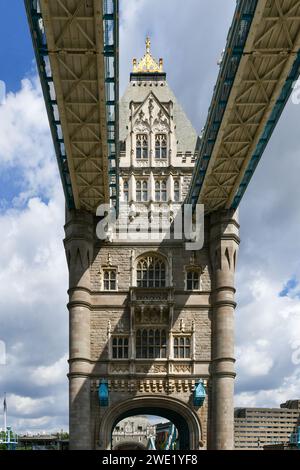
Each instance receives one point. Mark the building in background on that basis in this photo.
(133, 433)
(256, 428)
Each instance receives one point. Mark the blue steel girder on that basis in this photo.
(260, 65)
(41, 51)
(76, 47)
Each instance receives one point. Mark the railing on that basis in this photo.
(111, 69)
(141, 295)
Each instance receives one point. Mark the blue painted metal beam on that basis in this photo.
(268, 130)
(41, 54)
(111, 71)
(236, 41)
(110, 17)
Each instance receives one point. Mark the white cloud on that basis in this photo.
(33, 276)
(51, 375)
(27, 406)
(270, 234)
(255, 359)
(26, 149)
(272, 398)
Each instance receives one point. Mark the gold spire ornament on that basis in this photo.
(148, 64)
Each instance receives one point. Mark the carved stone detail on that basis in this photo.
(118, 369)
(151, 369)
(182, 368)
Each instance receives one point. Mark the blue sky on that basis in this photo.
(33, 275)
(17, 55)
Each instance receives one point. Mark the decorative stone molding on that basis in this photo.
(151, 369)
(182, 368)
(118, 368)
(150, 385)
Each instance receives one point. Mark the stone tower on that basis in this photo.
(151, 323)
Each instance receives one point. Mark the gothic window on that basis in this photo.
(142, 191)
(125, 191)
(142, 147)
(161, 191)
(182, 347)
(151, 272)
(110, 279)
(176, 191)
(120, 347)
(151, 344)
(192, 279)
(160, 146)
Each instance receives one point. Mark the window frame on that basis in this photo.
(151, 273)
(151, 343)
(161, 190)
(120, 346)
(110, 280)
(161, 150)
(192, 271)
(142, 147)
(177, 191)
(142, 190)
(182, 345)
(126, 190)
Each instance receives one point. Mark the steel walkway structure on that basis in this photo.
(76, 47)
(260, 64)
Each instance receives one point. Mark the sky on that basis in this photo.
(190, 37)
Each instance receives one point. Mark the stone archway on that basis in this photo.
(129, 445)
(180, 414)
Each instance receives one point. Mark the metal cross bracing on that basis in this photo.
(260, 65)
(76, 46)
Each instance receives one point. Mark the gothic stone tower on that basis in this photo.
(150, 322)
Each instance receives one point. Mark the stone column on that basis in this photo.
(224, 242)
(79, 252)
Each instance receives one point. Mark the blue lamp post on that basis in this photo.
(103, 393)
(199, 393)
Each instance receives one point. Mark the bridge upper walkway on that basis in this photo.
(260, 64)
(76, 45)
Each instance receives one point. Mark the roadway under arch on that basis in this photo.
(180, 414)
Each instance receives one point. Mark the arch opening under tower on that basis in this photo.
(186, 431)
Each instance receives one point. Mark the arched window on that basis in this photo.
(142, 146)
(161, 191)
(142, 191)
(176, 191)
(126, 190)
(151, 272)
(160, 146)
(151, 344)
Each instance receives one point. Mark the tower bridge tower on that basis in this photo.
(151, 323)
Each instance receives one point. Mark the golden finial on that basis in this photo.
(148, 64)
(148, 45)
